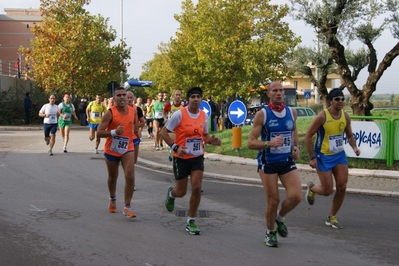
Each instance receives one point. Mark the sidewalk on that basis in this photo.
(235, 169)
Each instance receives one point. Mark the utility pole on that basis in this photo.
(121, 83)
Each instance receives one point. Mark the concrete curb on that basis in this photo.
(232, 178)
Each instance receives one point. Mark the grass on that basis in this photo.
(302, 125)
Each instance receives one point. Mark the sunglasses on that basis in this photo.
(339, 99)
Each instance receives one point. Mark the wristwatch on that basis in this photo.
(266, 144)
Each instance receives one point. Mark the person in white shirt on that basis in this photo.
(50, 113)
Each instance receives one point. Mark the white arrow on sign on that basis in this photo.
(239, 112)
(205, 110)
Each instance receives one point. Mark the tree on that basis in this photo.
(227, 46)
(338, 20)
(72, 50)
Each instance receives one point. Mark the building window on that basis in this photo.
(27, 40)
(27, 26)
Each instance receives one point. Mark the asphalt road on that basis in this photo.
(54, 212)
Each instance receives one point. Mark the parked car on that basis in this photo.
(249, 120)
(304, 112)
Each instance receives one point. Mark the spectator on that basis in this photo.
(214, 113)
(27, 107)
(82, 112)
(225, 107)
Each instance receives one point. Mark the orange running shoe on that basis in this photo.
(128, 212)
(112, 206)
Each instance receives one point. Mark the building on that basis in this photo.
(15, 27)
(295, 89)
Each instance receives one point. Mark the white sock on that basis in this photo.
(189, 218)
(279, 218)
(170, 195)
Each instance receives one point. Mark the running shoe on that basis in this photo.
(112, 206)
(96, 151)
(156, 147)
(161, 146)
(169, 202)
(271, 239)
(192, 228)
(50, 152)
(333, 222)
(65, 150)
(310, 195)
(128, 212)
(282, 228)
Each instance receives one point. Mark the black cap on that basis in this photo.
(194, 90)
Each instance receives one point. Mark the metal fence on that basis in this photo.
(13, 69)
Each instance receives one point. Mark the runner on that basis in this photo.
(67, 110)
(139, 122)
(94, 113)
(190, 126)
(157, 120)
(50, 113)
(328, 154)
(117, 127)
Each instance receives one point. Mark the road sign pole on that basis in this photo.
(236, 139)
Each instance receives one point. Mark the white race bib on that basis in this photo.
(52, 118)
(95, 115)
(286, 148)
(158, 114)
(336, 143)
(194, 146)
(119, 144)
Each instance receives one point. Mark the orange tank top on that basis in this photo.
(121, 144)
(189, 133)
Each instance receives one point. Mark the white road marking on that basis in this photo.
(37, 209)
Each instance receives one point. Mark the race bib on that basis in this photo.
(119, 144)
(336, 143)
(52, 119)
(194, 146)
(286, 148)
(67, 117)
(95, 115)
(158, 114)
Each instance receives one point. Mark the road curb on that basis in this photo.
(231, 178)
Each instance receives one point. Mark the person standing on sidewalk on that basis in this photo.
(191, 129)
(328, 155)
(94, 113)
(67, 110)
(82, 112)
(27, 107)
(117, 126)
(277, 150)
(50, 113)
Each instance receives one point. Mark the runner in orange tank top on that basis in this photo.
(117, 127)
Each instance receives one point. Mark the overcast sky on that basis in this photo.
(147, 23)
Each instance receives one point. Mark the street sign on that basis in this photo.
(237, 112)
(111, 87)
(206, 108)
(137, 83)
(307, 95)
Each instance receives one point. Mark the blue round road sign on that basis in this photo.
(204, 106)
(237, 112)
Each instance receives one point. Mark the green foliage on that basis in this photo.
(224, 47)
(72, 50)
(302, 126)
(344, 21)
(12, 106)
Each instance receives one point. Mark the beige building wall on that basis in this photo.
(15, 27)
